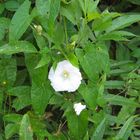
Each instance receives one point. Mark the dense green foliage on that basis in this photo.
(102, 38)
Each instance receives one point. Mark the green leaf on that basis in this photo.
(136, 52)
(23, 96)
(57, 38)
(89, 8)
(1, 136)
(99, 132)
(77, 124)
(53, 13)
(21, 77)
(125, 131)
(43, 6)
(72, 12)
(60, 136)
(4, 25)
(116, 36)
(8, 70)
(11, 129)
(54, 10)
(89, 94)
(1, 101)
(94, 60)
(40, 40)
(73, 59)
(105, 20)
(65, 12)
(124, 114)
(39, 129)
(40, 95)
(123, 21)
(122, 52)
(2, 7)
(45, 59)
(20, 21)
(84, 34)
(119, 71)
(83, 6)
(86, 137)
(13, 117)
(137, 2)
(25, 131)
(114, 84)
(135, 84)
(40, 90)
(92, 12)
(119, 100)
(17, 47)
(11, 5)
(120, 63)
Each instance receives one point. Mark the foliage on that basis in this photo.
(99, 37)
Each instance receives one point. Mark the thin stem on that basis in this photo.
(65, 30)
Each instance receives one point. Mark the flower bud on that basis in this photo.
(38, 29)
(78, 107)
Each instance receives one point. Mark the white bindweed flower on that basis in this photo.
(65, 77)
(78, 107)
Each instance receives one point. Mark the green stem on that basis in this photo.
(65, 30)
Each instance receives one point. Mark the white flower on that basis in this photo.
(65, 77)
(78, 107)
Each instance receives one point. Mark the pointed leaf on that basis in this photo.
(43, 6)
(125, 131)
(17, 47)
(99, 132)
(23, 96)
(11, 129)
(123, 21)
(40, 90)
(119, 100)
(77, 124)
(25, 132)
(20, 21)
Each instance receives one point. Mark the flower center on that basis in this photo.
(65, 74)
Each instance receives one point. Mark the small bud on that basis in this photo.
(78, 107)
(73, 43)
(58, 53)
(4, 83)
(30, 128)
(38, 29)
